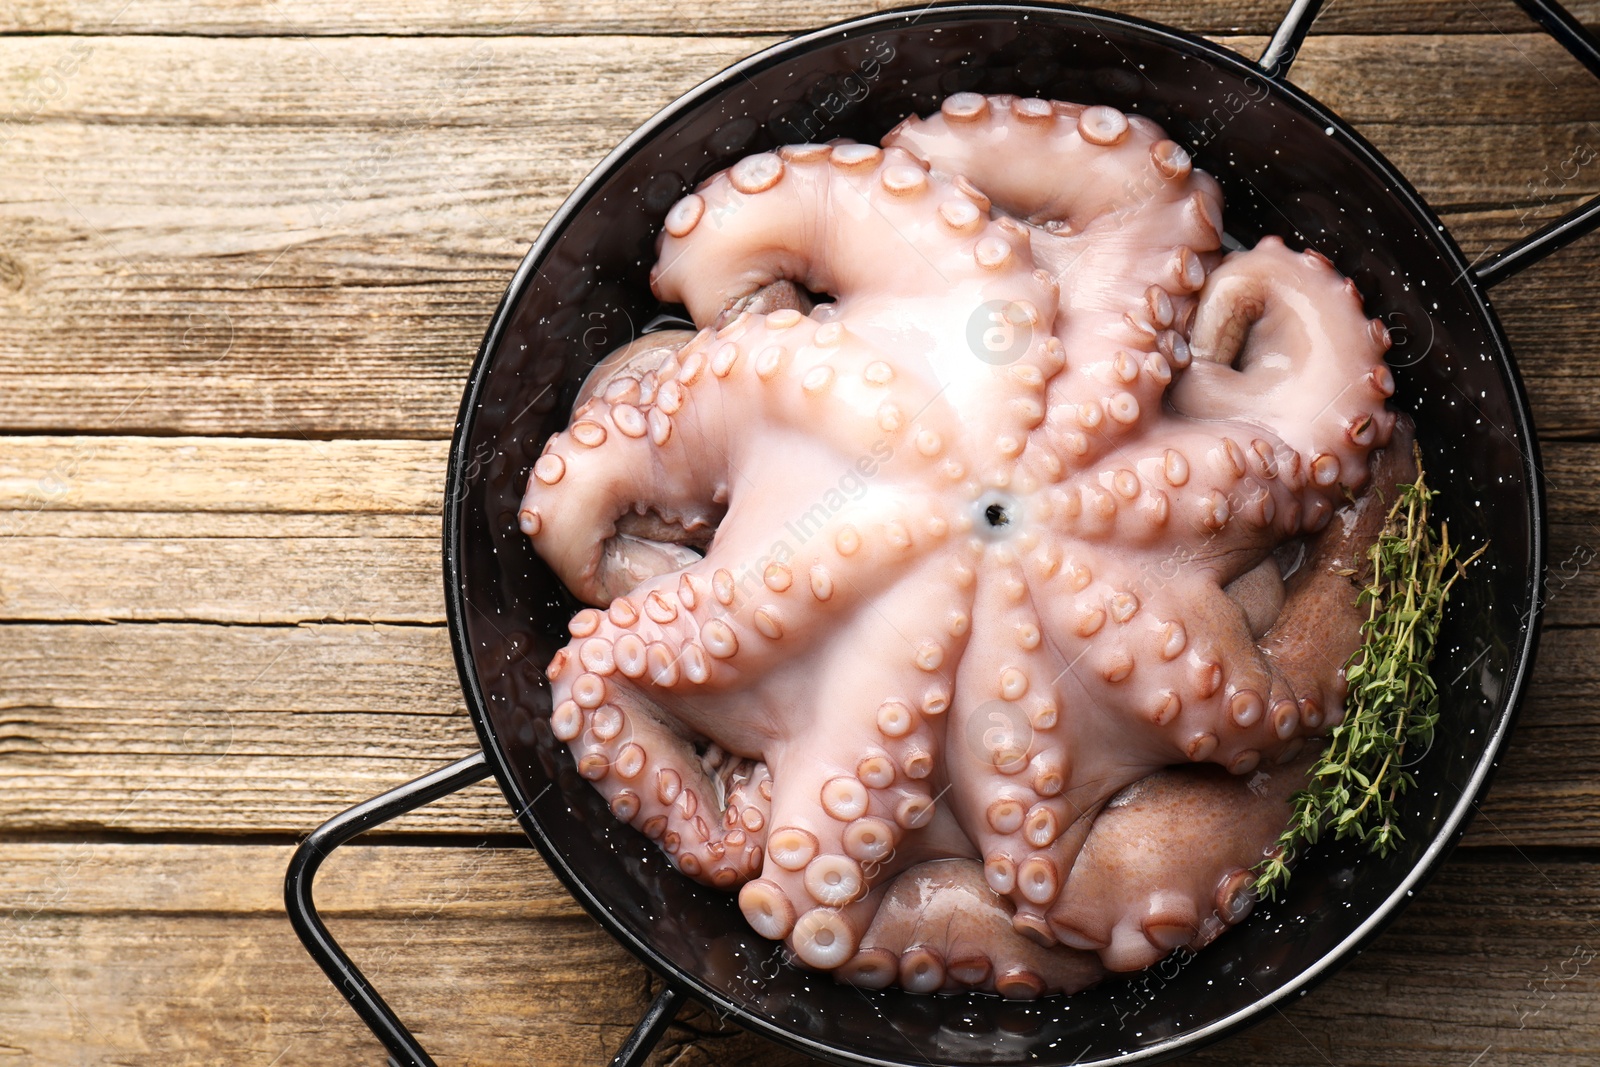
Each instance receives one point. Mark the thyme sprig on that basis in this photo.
(1393, 701)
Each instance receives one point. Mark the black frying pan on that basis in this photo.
(1288, 166)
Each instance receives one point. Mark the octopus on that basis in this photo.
(970, 588)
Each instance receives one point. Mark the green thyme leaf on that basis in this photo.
(1393, 702)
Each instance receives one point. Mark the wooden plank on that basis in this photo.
(242, 569)
(219, 474)
(257, 299)
(1544, 311)
(249, 569)
(139, 728)
(1517, 976)
(198, 526)
(349, 210)
(360, 881)
(280, 531)
(235, 530)
(496, 17)
(173, 727)
(239, 580)
(179, 954)
(200, 484)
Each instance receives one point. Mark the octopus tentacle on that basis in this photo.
(654, 780)
(1216, 493)
(844, 805)
(1281, 341)
(1098, 404)
(1223, 686)
(684, 641)
(1024, 749)
(941, 928)
(623, 493)
(1218, 698)
(1318, 629)
(1016, 149)
(1129, 241)
(822, 216)
(1169, 862)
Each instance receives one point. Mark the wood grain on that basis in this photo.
(218, 474)
(183, 957)
(139, 728)
(285, 245)
(498, 17)
(246, 570)
(275, 725)
(265, 531)
(347, 211)
(225, 579)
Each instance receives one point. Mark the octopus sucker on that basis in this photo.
(975, 620)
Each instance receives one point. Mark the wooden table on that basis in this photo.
(247, 250)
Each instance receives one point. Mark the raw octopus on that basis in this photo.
(967, 589)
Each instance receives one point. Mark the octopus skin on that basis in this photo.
(987, 552)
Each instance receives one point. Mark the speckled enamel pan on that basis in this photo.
(1288, 166)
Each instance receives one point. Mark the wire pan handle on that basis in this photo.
(404, 1051)
(1556, 21)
